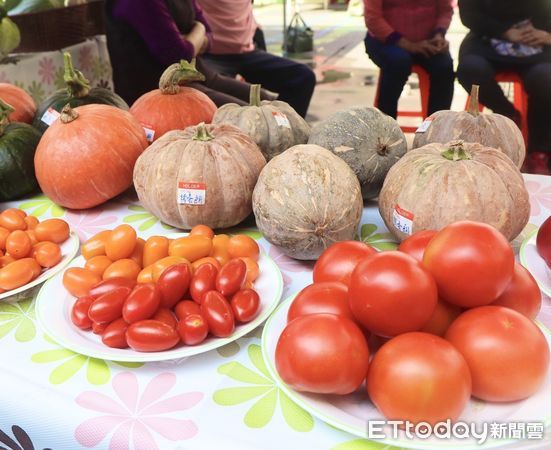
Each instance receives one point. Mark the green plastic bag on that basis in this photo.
(300, 37)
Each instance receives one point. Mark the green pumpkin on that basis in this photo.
(18, 143)
(10, 37)
(77, 93)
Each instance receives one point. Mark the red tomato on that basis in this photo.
(174, 283)
(471, 262)
(419, 377)
(442, 317)
(329, 297)
(78, 281)
(203, 281)
(193, 329)
(114, 335)
(142, 303)
(151, 336)
(543, 241)
(185, 308)
(99, 328)
(245, 305)
(322, 353)
(231, 277)
(338, 261)
(108, 307)
(522, 294)
(506, 352)
(391, 293)
(415, 244)
(79, 312)
(105, 286)
(218, 314)
(165, 315)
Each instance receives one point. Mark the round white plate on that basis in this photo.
(68, 251)
(53, 312)
(351, 413)
(530, 258)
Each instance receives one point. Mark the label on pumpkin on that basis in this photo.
(424, 126)
(191, 193)
(281, 119)
(149, 132)
(402, 220)
(50, 116)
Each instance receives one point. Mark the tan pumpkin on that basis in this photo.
(274, 126)
(204, 174)
(491, 130)
(435, 185)
(307, 199)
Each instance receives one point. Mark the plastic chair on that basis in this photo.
(424, 88)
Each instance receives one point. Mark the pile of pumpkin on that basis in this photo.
(305, 186)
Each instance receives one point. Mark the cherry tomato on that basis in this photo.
(174, 284)
(442, 317)
(18, 211)
(122, 268)
(471, 262)
(18, 244)
(47, 254)
(219, 251)
(114, 335)
(329, 297)
(218, 313)
(419, 377)
(244, 305)
(95, 246)
(121, 242)
(205, 260)
(543, 240)
(322, 353)
(391, 293)
(137, 254)
(231, 277)
(252, 268)
(5, 260)
(79, 312)
(31, 222)
(18, 273)
(99, 328)
(108, 307)
(165, 315)
(155, 248)
(160, 266)
(242, 245)
(32, 237)
(146, 275)
(202, 230)
(185, 308)
(142, 303)
(415, 244)
(4, 233)
(193, 329)
(105, 286)
(202, 281)
(190, 247)
(53, 230)
(338, 261)
(78, 281)
(11, 220)
(522, 294)
(151, 336)
(98, 264)
(506, 352)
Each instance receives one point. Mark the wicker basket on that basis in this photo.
(58, 28)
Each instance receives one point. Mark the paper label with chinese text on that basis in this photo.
(191, 193)
(281, 119)
(402, 220)
(50, 116)
(424, 126)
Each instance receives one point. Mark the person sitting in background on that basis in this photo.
(233, 52)
(512, 36)
(406, 32)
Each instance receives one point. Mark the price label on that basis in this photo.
(402, 220)
(149, 132)
(281, 119)
(191, 193)
(50, 116)
(424, 126)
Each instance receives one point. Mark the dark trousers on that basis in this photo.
(477, 65)
(395, 64)
(294, 82)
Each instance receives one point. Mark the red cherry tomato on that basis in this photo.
(108, 307)
(218, 314)
(174, 283)
(231, 277)
(415, 244)
(193, 329)
(203, 281)
(142, 303)
(105, 286)
(165, 315)
(339, 260)
(79, 312)
(99, 328)
(543, 240)
(442, 317)
(329, 297)
(185, 308)
(151, 336)
(244, 305)
(114, 335)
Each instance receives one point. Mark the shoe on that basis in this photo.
(536, 163)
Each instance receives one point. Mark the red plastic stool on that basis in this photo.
(424, 87)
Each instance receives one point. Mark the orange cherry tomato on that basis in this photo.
(202, 230)
(4, 233)
(32, 237)
(18, 211)
(31, 222)
(137, 254)
(1, 253)
(208, 259)
(5, 260)
(78, 281)
(252, 268)
(156, 248)
(95, 246)
(18, 244)
(53, 230)
(242, 245)
(191, 248)
(122, 268)
(121, 242)
(162, 264)
(12, 220)
(219, 251)
(19, 273)
(146, 275)
(47, 254)
(98, 264)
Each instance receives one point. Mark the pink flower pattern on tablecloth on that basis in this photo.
(132, 417)
(85, 59)
(540, 197)
(88, 223)
(287, 264)
(46, 70)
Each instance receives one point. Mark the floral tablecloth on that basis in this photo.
(225, 399)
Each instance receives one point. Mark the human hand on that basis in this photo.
(518, 35)
(440, 42)
(537, 38)
(197, 37)
(425, 48)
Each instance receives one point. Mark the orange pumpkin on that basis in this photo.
(87, 157)
(23, 103)
(173, 106)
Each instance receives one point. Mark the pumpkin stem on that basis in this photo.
(202, 134)
(473, 106)
(254, 96)
(77, 84)
(5, 110)
(456, 152)
(3, 11)
(177, 75)
(68, 114)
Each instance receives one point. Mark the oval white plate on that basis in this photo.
(351, 413)
(68, 251)
(530, 258)
(53, 312)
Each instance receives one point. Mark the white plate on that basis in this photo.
(530, 258)
(351, 413)
(68, 251)
(53, 312)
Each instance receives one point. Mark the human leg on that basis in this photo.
(440, 70)
(537, 84)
